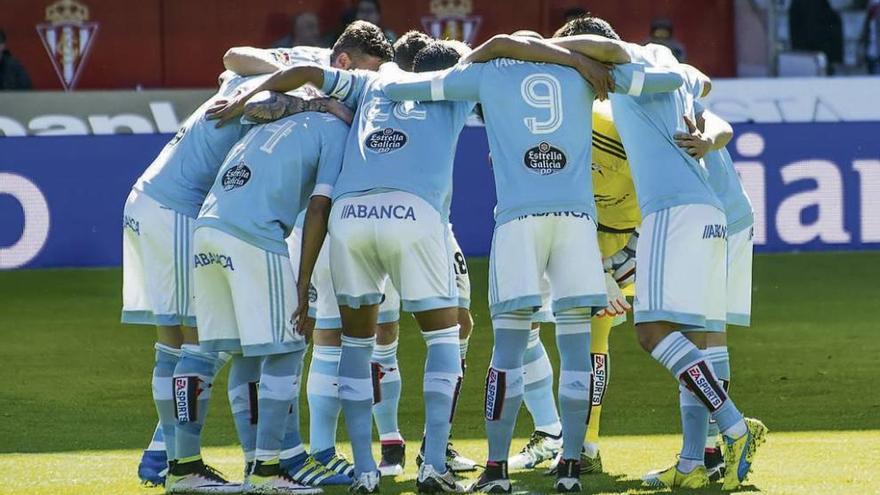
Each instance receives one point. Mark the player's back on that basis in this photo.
(727, 186)
(664, 174)
(537, 117)
(182, 173)
(408, 146)
(268, 176)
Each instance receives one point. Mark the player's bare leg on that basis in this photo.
(443, 374)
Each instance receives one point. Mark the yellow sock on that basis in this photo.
(600, 330)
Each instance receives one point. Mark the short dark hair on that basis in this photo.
(587, 25)
(435, 56)
(574, 12)
(363, 38)
(407, 46)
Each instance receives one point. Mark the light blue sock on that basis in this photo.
(442, 377)
(322, 390)
(538, 380)
(244, 380)
(688, 364)
(720, 361)
(384, 362)
(157, 442)
(694, 421)
(163, 395)
(193, 380)
(504, 382)
(575, 378)
(275, 395)
(292, 446)
(356, 395)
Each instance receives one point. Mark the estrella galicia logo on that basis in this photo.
(544, 159)
(386, 140)
(236, 176)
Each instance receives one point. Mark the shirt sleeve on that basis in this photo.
(692, 81)
(459, 83)
(343, 85)
(638, 79)
(329, 165)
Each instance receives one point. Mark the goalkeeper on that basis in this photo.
(619, 217)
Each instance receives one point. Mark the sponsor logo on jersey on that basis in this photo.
(544, 159)
(600, 377)
(699, 380)
(386, 140)
(398, 212)
(205, 259)
(131, 224)
(186, 391)
(236, 176)
(715, 231)
(67, 36)
(495, 389)
(573, 214)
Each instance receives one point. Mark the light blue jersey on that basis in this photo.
(537, 116)
(407, 146)
(268, 177)
(664, 174)
(180, 177)
(725, 181)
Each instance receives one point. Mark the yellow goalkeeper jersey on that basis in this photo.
(616, 203)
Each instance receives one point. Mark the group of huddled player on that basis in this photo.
(308, 200)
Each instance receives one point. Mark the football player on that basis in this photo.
(545, 218)
(677, 293)
(389, 222)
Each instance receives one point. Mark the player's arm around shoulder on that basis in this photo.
(281, 81)
(249, 61)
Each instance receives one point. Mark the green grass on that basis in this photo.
(76, 405)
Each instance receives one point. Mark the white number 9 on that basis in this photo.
(549, 97)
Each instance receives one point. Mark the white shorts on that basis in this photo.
(560, 246)
(156, 264)
(322, 297)
(391, 235)
(245, 294)
(739, 278)
(681, 270)
(462, 278)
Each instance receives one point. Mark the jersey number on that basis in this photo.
(543, 91)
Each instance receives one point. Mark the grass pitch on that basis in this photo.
(76, 407)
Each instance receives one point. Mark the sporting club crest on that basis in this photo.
(67, 36)
(452, 19)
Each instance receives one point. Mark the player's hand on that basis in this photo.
(300, 317)
(334, 107)
(225, 110)
(617, 303)
(622, 264)
(598, 75)
(694, 142)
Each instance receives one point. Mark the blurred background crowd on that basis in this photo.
(168, 44)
